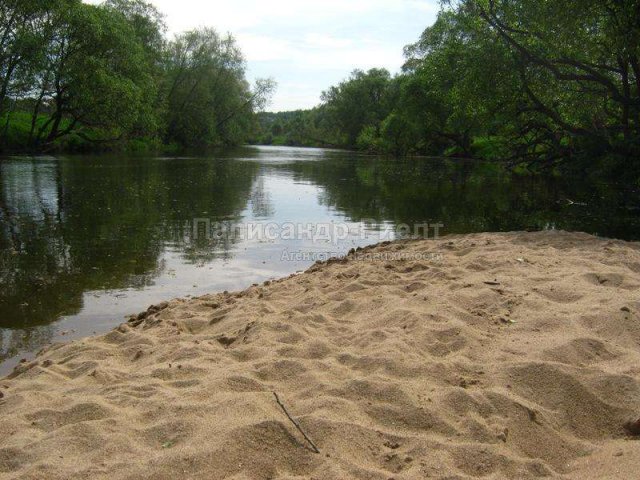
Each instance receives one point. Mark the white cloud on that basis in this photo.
(325, 53)
(263, 48)
(321, 40)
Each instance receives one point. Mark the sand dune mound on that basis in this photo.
(481, 356)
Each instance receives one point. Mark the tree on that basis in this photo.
(458, 84)
(361, 101)
(207, 98)
(91, 74)
(399, 134)
(147, 22)
(21, 38)
(150, 28)
(579, 73)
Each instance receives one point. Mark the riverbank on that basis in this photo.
(488, 355)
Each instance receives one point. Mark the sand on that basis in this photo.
(502, 356)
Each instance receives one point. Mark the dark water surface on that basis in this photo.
(85, 241)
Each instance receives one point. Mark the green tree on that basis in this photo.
(208, 100)
(150, 28)
(458, 84)
(399, 134)
(92, 75)
(363, 100)
(22, 27)
(580, 73)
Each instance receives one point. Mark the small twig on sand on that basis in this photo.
(297, 425)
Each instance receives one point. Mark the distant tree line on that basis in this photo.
(521, 80)
(74, 75)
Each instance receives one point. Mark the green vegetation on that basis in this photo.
(78, 76)
(540, 83)
(300, 128)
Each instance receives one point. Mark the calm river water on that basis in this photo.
(85, 241)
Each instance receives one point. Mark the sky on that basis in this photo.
(308, 45)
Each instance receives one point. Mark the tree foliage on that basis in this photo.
(207, 96)
(578, 74)
(96, 75)
(361, 101)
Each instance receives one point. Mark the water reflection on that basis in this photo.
(86, 240)
(472, 197)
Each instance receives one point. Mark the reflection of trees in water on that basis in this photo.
(470, 196)
(28, 259)
(35, 262)
(78, 224)
(208, 239)
(261, 203)
(217, 191)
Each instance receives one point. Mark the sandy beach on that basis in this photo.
(479, 356)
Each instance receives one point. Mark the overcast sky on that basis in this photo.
(308, 45)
